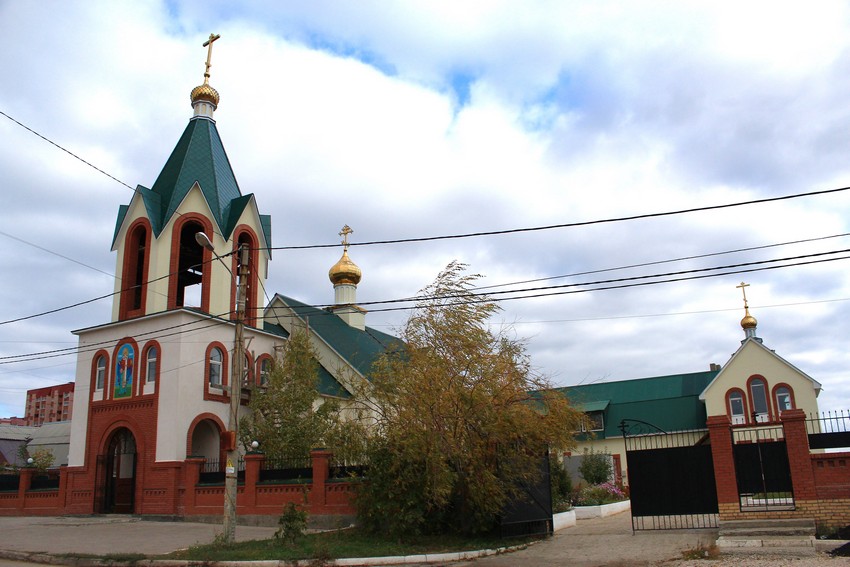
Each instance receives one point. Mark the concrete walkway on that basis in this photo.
(101, 535)
(603, 541)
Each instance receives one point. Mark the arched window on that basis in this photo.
(737, 407)
(100, 372)
(134, 273)
(245, 237)
(215, 366)
(758, 397)
(151, 364)
(248, 376)
(190, 279)
(784, 400)
(265, 369)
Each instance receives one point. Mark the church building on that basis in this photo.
(751, 389)
(153, 384)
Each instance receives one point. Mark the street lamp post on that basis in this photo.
(238, 370)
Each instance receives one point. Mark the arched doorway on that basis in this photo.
(117, 474)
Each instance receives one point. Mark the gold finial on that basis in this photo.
(346, 230)
(208, 43)
(748, 323)
(345, 271)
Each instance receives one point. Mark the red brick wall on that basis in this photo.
(821, 482)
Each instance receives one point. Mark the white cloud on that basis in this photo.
(426, 118)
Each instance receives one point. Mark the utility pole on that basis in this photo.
(238, 371)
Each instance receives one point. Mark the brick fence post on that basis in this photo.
(799, 457)
(321, 459)
(192, 475)
(253, 461)
(24, 483)
(725, 478)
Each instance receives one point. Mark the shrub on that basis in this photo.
(595, 468)
(291, 524)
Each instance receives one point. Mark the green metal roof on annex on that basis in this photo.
(669, 402)
(328, 385)
(359, 347)
(199, 156)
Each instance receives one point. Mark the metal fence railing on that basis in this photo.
(9, 482)
(213, 472)
(287, 469)
(829, 430)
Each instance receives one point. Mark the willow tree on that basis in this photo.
(461, 417)
(287, 417)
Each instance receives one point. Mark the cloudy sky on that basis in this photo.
(418, 119)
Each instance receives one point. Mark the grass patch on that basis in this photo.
(337, 544)
(702, 552)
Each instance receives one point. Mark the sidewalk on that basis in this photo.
(101, 535)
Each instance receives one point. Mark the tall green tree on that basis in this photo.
(461, 417)
(286, 416)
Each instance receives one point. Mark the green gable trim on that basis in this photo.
(266, 224)
(275, 329)
(330, 386)
(122, 213)
(593, 406)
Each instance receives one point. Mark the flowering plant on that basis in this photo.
(596, 494)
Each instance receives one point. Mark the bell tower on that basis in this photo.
(161, 264)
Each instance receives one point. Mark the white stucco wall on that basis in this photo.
(755, 359)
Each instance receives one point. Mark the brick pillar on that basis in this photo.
(724, 461)
(799, 457)
(321, 470)
(24, 483)
(63, 486)
(191, 476)
(253, 462)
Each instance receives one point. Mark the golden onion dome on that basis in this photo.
(748, 322)
(345, 271)
(205, 93)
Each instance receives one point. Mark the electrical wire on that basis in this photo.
(472, 297)
(572, 224)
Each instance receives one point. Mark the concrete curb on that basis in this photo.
(35, 557)
(603, 511)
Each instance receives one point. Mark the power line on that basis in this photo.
(472, 297)
(658, 262)
(69, 152)
(66, 307)
(572, 224)
(217, 320)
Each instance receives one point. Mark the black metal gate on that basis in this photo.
(671, 477)
(531, 512)
(762, 469)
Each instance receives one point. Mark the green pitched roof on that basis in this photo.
(668, 402)
(359, 347)
(199, 156)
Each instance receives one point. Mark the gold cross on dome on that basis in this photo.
(744, 287)
(346, 230)
(209, 43)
